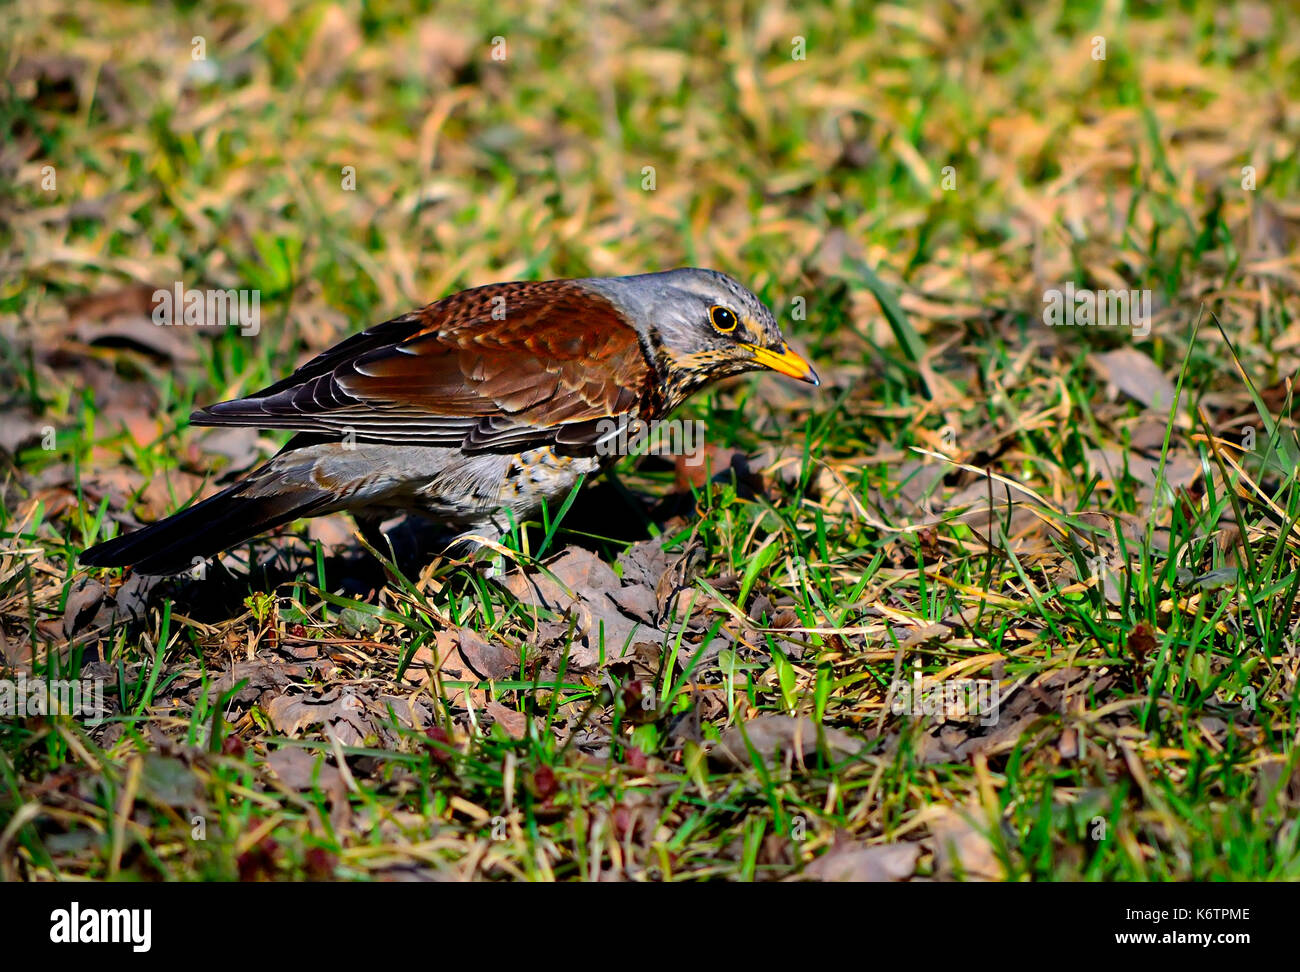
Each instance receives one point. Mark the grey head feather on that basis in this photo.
(676, 303)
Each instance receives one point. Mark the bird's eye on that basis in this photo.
(723, 319)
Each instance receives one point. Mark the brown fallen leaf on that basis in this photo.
(136, 299)
(162, 493)
(261, 676)
(123, 319)
(339, 709)
(444, 659)
(1131, 372)
(515, 723)
(19, 427)
(238, 444)
(773, 736)
(84, 602)
(852, 861)
(1112, 462)
(169, 781)
(578, 583)
(924, 633)
(644, 562)
(413, 715)
(564, 577)
(961, 850)
(487, 659)
(296, 768)
(636, 601)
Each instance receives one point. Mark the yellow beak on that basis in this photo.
(786, 362)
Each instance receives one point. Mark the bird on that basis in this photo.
(472, 410)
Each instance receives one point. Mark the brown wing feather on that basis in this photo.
(449, 374)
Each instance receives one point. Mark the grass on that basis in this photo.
(1135, 604)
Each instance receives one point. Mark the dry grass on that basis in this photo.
(942, 500)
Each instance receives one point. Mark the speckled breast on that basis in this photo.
(540, 474)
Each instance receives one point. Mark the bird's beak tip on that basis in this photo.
(786, 362)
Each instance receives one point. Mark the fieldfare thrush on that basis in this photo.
(493, 399)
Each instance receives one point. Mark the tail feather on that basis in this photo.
(221, 521)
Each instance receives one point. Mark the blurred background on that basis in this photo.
(973, 153)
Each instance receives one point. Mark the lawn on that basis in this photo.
(1005, 598)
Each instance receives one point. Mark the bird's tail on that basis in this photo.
(180, 542)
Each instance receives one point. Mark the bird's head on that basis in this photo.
(705, 325)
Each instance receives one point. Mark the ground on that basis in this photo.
(756, 668)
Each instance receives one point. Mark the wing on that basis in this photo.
(499, 368)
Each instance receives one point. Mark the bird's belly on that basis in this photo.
(466, 488)
(538, 475)
(445, 484)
